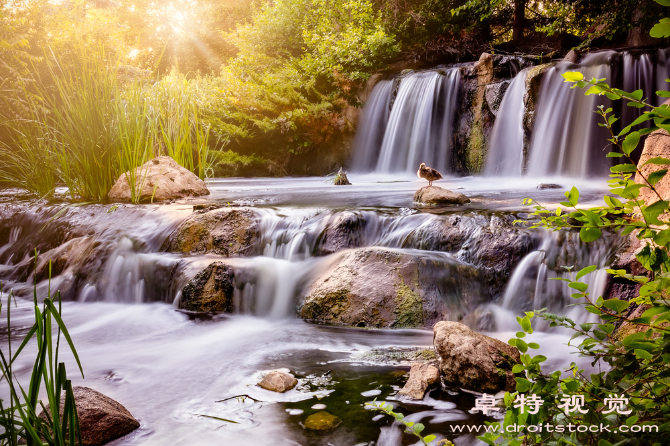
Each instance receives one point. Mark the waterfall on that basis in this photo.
(418, 129)
(505, 155)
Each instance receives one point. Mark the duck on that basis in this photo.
(428, 173)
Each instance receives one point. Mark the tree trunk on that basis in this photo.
(519, 19)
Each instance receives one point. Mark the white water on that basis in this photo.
(419, 127)
(505, 154)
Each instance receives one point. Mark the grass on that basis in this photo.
(83, 129)
(19, 418)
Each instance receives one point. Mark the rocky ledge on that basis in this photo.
(438, 195)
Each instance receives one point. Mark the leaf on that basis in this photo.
(573, 76)
(642, 118)
(518, 368)
(522, 384)
(429, 438)
(604, 442)
(538, 359)
(623, 168)
(418, 428)
(631, 142)
(660, 30)
(580, 286)
(663, 2)
(572, 385)
(585, 271)
(573, 195)
(522, 346)
(590, 234)
(663, 93)
(525, 324)
(657, 176)
(533, 345)
(643, 354)
(652, 212)
(657, 160)
(616, 305)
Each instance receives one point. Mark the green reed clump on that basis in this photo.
(19, 418)
(83, 129)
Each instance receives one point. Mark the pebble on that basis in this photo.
(319, 406)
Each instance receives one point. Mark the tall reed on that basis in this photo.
(84, 129)
(19, 417)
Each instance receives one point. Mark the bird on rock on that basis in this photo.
(428, 173)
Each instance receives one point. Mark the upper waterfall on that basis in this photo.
(418, 127)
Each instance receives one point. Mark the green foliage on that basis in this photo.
(410, 427)
(631, 342)
(19, 415)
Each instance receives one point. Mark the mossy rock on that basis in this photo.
(322, 421)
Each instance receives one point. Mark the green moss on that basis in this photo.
(476, 149)
(409, 306)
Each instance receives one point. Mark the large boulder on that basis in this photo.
(344, 230)
(657, 144)
(438, 195)
(421, 378)
(473, 361)
(158, 180)
(376, 287)
(210, 290)
(101, 419)
(230, 232)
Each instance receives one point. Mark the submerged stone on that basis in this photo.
(473, 361)
(278, 381)
(158, 180)
(322, 421)
(438, 195)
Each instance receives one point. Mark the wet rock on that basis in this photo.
(473, 361)
(210, 290)
(69, 254)
(341, 179)
(438, 195)
(375, 287)
(322, 421)
(278, 381)
(495, 92)
(573, 56)
(158, 180)
(542, 186)
(347, 230)
(657, 144)
(396, 356)
(421, 378)
(101, 419)
(230, 232)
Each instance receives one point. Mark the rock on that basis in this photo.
(421, 378)
(278, 381)
(473, 361)
(494, 94)
(549, 186)
(341, 179)
(70, 253)
(159, 179)
(573, 56)
(343, 231)
(230, 232)
(101, 419)
(322, 421)
(376, 287)
(438, 195)
(656, 144)
(210, 290)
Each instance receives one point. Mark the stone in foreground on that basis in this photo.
(210, 290)
(230, 232)
(158, 180)
(277, 381)
(101, 419)
(438, 195)
(421, 378)
(473, 361)
(322, 421)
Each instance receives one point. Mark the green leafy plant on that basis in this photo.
(410, 427)
(19, 417)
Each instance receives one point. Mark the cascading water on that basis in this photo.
(505, 154)
(419, 127)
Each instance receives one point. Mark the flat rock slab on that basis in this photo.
(277, 381)
(473, 361)
(101, 419)
(421, 378)
(322, 421)
(438, 195)
(158, 180)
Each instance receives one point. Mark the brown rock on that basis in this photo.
(101, 419)
(573, 56)
(158, 180)
(438, 195)
(230, 232)
(322, 421)
(473, 361)
(210, 290)
(277, 381)
(657, 144)
(421, 378)
(377, 287)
